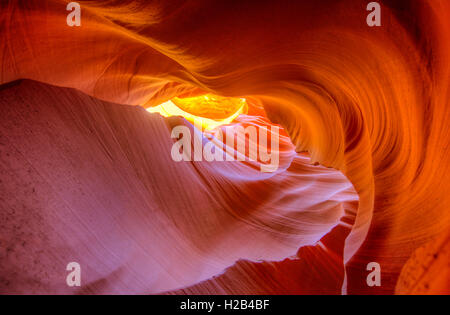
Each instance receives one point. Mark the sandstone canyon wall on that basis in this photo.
(364, 150)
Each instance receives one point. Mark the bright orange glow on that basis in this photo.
(149, 208)
(210, 110)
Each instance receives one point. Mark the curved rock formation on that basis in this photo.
(370, 103)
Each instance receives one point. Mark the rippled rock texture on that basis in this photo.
(364, 149)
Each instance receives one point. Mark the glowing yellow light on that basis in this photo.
(211, 111)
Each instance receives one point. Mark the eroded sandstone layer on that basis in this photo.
(369, 104)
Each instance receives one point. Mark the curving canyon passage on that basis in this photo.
(89, 173)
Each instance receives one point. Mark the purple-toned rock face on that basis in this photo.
(362, 107)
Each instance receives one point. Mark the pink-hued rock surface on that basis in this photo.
(93, 182)
(86, 173)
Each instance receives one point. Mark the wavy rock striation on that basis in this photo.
(370, 103)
